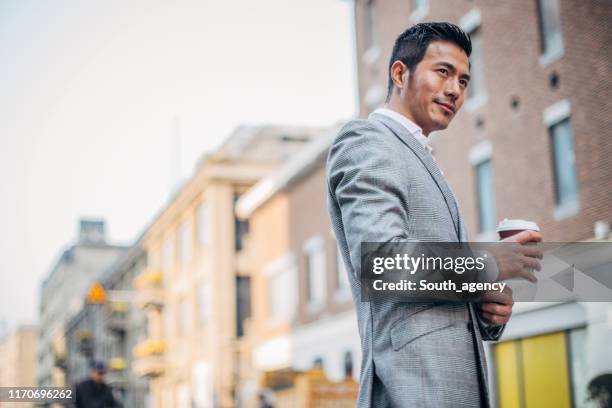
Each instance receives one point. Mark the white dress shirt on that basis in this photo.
(412, 127)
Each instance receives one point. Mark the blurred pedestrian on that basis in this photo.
(600, 390)
(94, 392)
(263, 401)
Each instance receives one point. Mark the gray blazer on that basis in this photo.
(384, 186)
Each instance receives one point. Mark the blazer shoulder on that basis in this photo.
(359, 134)
(361, 145)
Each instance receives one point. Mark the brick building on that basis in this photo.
(535, 125)
(303, 315)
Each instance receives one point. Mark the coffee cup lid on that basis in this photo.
(512, 225)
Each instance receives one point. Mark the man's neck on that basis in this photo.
(404, 120)
(398, 108)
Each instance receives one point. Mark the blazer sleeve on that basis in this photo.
(369, 196)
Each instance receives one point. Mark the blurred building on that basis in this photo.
(18, 360)
(195, 291)
(126, 326)
(63, 293)
(108, 327)
(532, 141)
(303, 314)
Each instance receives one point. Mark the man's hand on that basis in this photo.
(495, 307)
(518, 256)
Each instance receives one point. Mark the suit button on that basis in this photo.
(470, 326)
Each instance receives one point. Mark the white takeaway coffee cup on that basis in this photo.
(506, 228)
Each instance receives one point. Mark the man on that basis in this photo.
(385, 186)
(93, 392)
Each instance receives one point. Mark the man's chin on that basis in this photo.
(441, 125)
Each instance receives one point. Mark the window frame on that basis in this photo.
(471, 23)
(315, 246)
(549, 55)
(480, 154)
(553, 116)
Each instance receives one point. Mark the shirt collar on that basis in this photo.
(412, 127)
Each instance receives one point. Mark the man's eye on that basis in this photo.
(443, 71)
(463, 83)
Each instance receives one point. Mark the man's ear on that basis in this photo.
(400, 74)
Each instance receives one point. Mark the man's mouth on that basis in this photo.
(446, 107)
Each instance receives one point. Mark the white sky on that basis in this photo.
(88, 96)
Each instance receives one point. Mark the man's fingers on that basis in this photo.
(531, 263)
(533, 251)
(528, 275)
(527, 236)
(495, 319)
(496, 309)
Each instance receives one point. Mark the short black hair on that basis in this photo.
(411, 45)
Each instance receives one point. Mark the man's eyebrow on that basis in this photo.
(452, 68)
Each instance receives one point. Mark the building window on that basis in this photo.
(241, 228)
(183, 317)
(564, 165)
(557, 119)
(184, 242)
(202, 224)
(374, 97)
(480, 159)
(183, 396)
(418, 4)
(348, 365)
(318, 363)
(203, 302)
(419, 9)
(476, 94)
(243, 303)
(166, 261)
(169, 321)
(551, 39)
(370, 27)
(485, 189)
(316, 272)
(276, 297)
(282, 292)
(476, 89)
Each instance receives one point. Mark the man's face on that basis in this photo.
(436, 88)
(98, 376)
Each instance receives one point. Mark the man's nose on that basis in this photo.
(452, 89)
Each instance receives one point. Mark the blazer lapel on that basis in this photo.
(413, 144)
